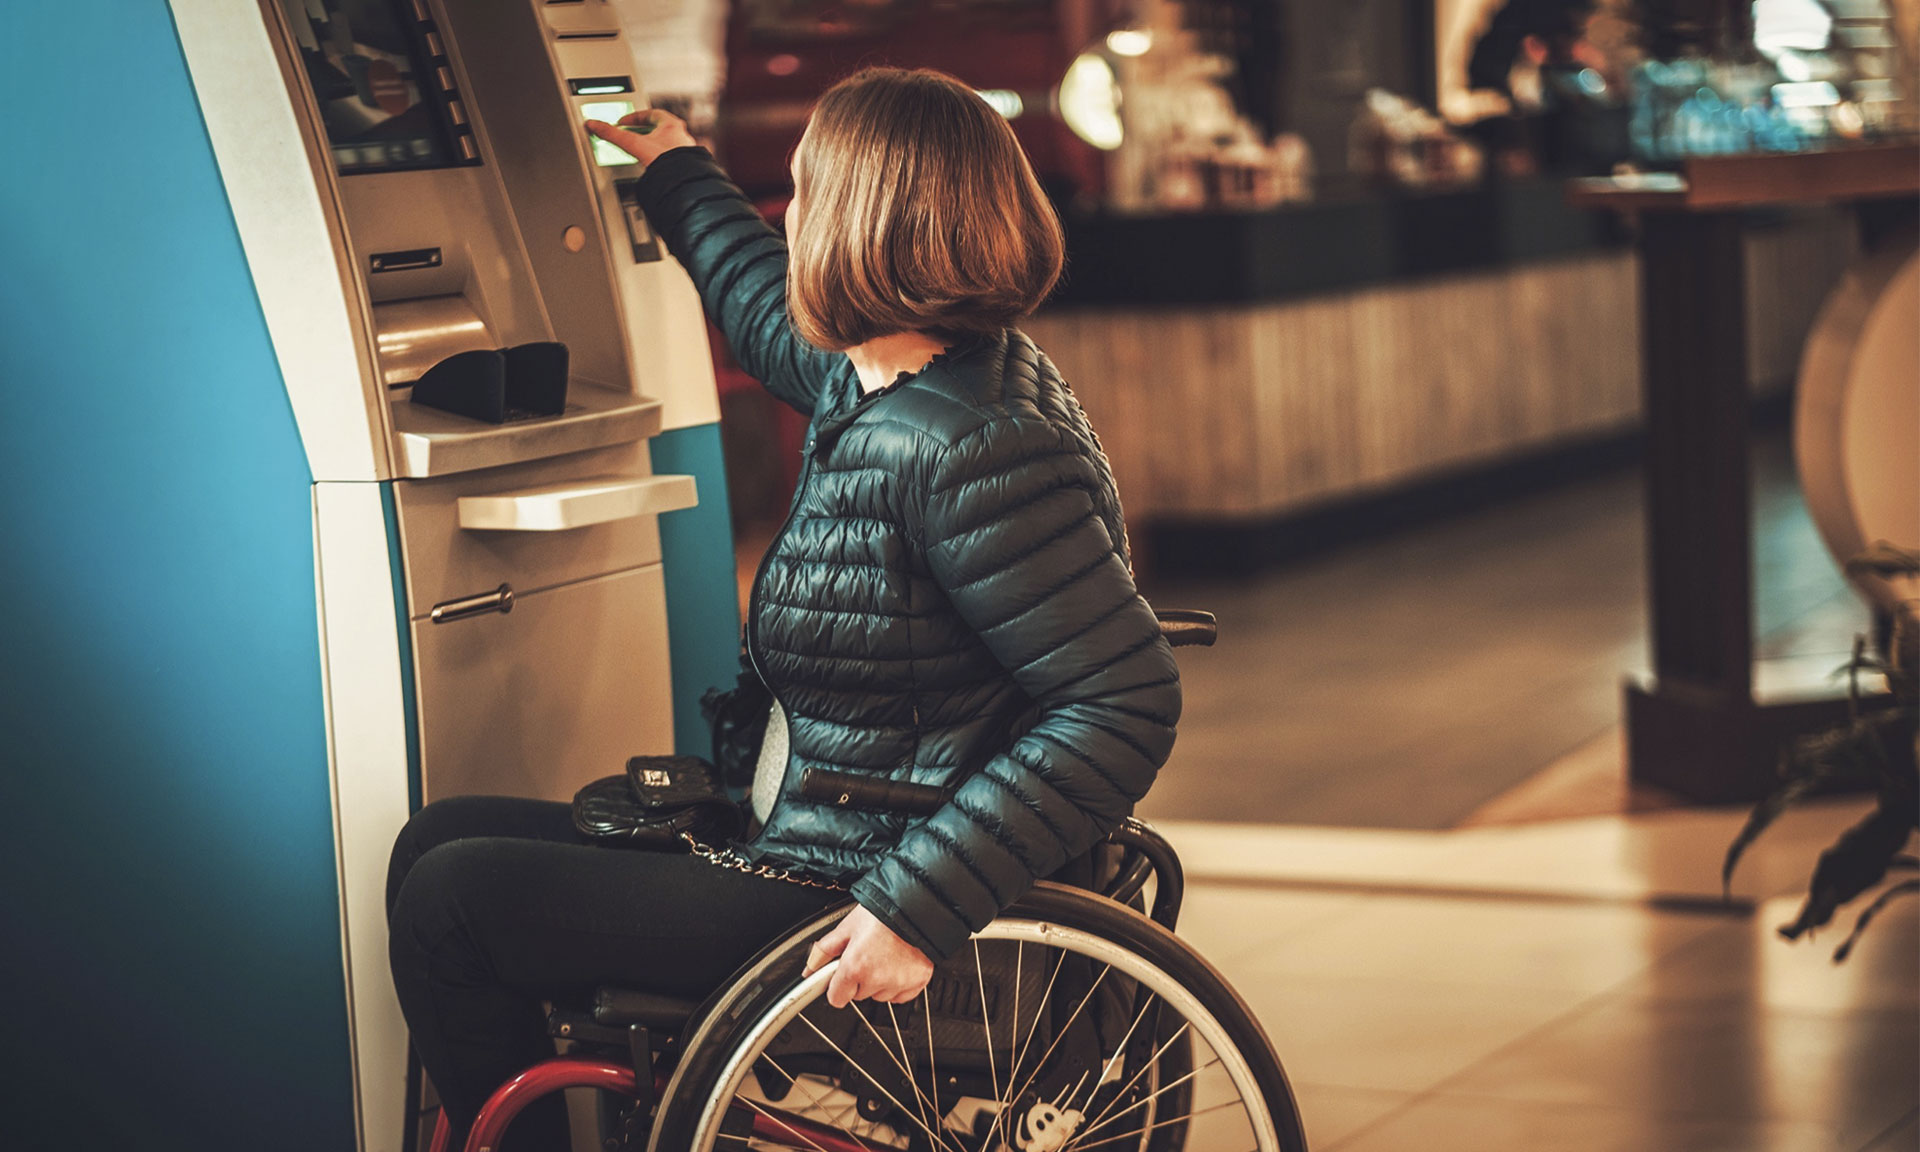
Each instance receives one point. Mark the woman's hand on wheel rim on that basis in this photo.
(645, 134)
(875, 963)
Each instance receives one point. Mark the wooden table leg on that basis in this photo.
(1699, 517)
(1687, 729)
(1695, 728)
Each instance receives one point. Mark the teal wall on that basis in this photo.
(172, 961)
(703, 604)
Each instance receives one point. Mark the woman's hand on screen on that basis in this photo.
(875, 964)
(644, 135)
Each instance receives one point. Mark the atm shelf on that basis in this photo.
(577, 503)
(432, 443)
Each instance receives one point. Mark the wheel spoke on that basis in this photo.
(1077, 1146)
(1061, 1035)
(852, 1063)
(839, 1119)
(844, 1123)
(782, 1121)
(1108, 1063)
(921, 1103)
(1013, 1073)
(933, 1070)
(986, 1024)
(1150, 1062)
(818, 1101)
(1019, 954)
(1155, 1095)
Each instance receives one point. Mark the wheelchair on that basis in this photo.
(1077, 1020)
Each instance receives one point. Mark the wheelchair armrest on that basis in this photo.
(619, 1007)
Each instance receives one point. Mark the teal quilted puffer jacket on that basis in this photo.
(949, 601)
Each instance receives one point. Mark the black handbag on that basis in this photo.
(737, 718)
(659, 803)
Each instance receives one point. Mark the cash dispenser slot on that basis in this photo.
(414, 335)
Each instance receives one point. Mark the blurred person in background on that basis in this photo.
(1564, 111)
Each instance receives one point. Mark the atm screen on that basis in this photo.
(365, 65)
(605, 154)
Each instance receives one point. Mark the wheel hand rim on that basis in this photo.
(1197, 1009)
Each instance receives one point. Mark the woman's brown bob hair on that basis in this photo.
(918, 212)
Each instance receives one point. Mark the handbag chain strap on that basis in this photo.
(729, 859)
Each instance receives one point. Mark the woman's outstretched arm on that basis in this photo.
(737, 261)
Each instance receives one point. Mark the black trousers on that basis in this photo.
(495, 904)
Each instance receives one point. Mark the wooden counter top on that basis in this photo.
(1759, 180)
(1325, 248)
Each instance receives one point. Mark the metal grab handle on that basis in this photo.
(498, 600)
(577, 503)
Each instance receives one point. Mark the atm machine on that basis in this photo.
(410, 181)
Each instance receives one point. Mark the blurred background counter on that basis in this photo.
(1322, 276)
(1263, 379)
(1325, 287)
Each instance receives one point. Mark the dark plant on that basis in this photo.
(1874, 749)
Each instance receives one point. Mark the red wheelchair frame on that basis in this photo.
(588, 1072)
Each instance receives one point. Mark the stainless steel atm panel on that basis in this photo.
(473, 215)
(410, 180)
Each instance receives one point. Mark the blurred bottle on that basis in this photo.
(1395, 142)
(1184, 145)
(1809, 75)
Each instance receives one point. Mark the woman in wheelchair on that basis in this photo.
(948, 605)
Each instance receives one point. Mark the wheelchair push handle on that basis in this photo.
(1188, 627)
(867, 794)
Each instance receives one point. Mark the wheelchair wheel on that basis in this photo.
(1070, 1023)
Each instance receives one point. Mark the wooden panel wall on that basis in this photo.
(1255, 409)
(1790, 270)
(1258, 409)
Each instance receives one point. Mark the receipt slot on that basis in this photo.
(410, 183)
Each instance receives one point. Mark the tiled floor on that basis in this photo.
(1406, 682)
(1568, 986)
